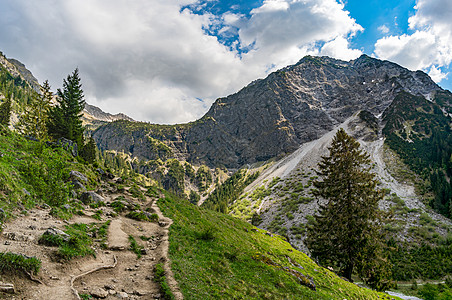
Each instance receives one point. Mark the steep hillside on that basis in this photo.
(215, 256)
(273, 116)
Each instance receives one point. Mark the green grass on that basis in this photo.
(142, 216)
(32, 173)
(235, 260)
(134, 247)
(12, 262)
(80, 241)
(159, 277)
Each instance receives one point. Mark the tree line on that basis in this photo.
(45, 119)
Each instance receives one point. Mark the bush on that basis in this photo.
(208, 234)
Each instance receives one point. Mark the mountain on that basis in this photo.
(18, 69)
(273, 116)
(95, 113)
(74, 230)
(279, 127)
(93, 117)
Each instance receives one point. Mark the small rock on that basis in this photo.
(162, 224)
(112, 292)
(54, 278)
(99, 293)
(32, 227)
(139, 293)
(122, 295)
(157, 296)
(7, 287)
(109, 287)
(144, 251)
(7, 243)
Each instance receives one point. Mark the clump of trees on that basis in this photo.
(42, 120)
(65, 117)
(34, 120)
(346, 233)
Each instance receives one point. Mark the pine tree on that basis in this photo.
(346, 230)
(5, 111)
(65, 118)
(35, 119)
(88, 151)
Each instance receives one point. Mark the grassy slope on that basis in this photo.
(233, 265)
(32, 173)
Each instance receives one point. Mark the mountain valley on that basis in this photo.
(242, 175)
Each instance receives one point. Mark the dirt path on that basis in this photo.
(130, 278)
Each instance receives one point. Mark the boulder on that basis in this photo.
(75, 175)
(52, 231)
(91, 197)
(68, 145)
(78, 185)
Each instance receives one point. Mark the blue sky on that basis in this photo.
(167, 61)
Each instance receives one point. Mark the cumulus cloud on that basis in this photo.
(155, 61)
(281, 32)
(429, 46)
(340, 48)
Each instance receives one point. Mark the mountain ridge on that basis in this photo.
(273, 116)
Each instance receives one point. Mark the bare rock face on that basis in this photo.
(272, 116)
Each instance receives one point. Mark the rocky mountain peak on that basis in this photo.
(292, 106)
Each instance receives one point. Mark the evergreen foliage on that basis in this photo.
(65, 118)
(174, 178)
(203, 178)
(5, 111)
(346, 232)
(226, 193)
(88, 151)
(34, 121)
(419, 132)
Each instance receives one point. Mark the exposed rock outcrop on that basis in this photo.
(273, 116)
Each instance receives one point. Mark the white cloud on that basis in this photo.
(429, 46)
(383, 29)
(339, 48)
(149, 59)
(281, 32)
(436, 74)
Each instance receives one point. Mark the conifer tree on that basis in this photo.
(65, 118)
(88, 151)
(5, 111)
(34, 121)
(346, 229)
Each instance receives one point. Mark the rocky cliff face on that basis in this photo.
(18, 69)
(273, 116)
